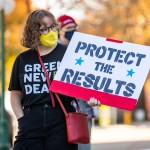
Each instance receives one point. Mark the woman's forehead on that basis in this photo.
(47, 21)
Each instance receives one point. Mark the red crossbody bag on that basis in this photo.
(76, 122)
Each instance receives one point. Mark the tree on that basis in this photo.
(13, 27)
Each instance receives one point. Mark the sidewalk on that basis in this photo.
(144, 145)
(121, 133)
(121, 137)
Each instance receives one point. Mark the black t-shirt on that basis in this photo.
(28, 76)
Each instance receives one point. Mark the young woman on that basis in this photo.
(41, 126)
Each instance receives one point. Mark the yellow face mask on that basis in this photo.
(49, 39)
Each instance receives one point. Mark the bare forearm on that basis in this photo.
(15, 98)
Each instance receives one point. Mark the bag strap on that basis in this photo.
(61, 104)
(77, 106)
(49, 82)
(47, 78)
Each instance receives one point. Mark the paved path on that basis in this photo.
(121, 137)
(138, 145)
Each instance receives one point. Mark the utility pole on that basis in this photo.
(4, 144)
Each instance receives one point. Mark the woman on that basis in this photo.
(41, 126)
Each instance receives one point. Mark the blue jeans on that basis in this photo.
(43, 128)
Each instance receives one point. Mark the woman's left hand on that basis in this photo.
(94, 102)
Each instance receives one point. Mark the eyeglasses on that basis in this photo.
(45, 30)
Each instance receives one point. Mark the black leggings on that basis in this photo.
(43, 128)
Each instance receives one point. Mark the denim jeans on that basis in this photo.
(43, 128)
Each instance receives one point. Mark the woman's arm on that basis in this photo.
(15, 98)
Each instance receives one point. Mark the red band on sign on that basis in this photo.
(86, 94)
(112, 40)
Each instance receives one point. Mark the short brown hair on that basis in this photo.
(31, 32)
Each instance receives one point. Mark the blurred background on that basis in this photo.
(126, 20)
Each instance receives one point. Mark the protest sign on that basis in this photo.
(112, 71)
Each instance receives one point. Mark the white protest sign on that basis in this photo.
(112, 71)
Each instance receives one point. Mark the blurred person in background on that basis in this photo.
(41, 125)
(67, 28)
